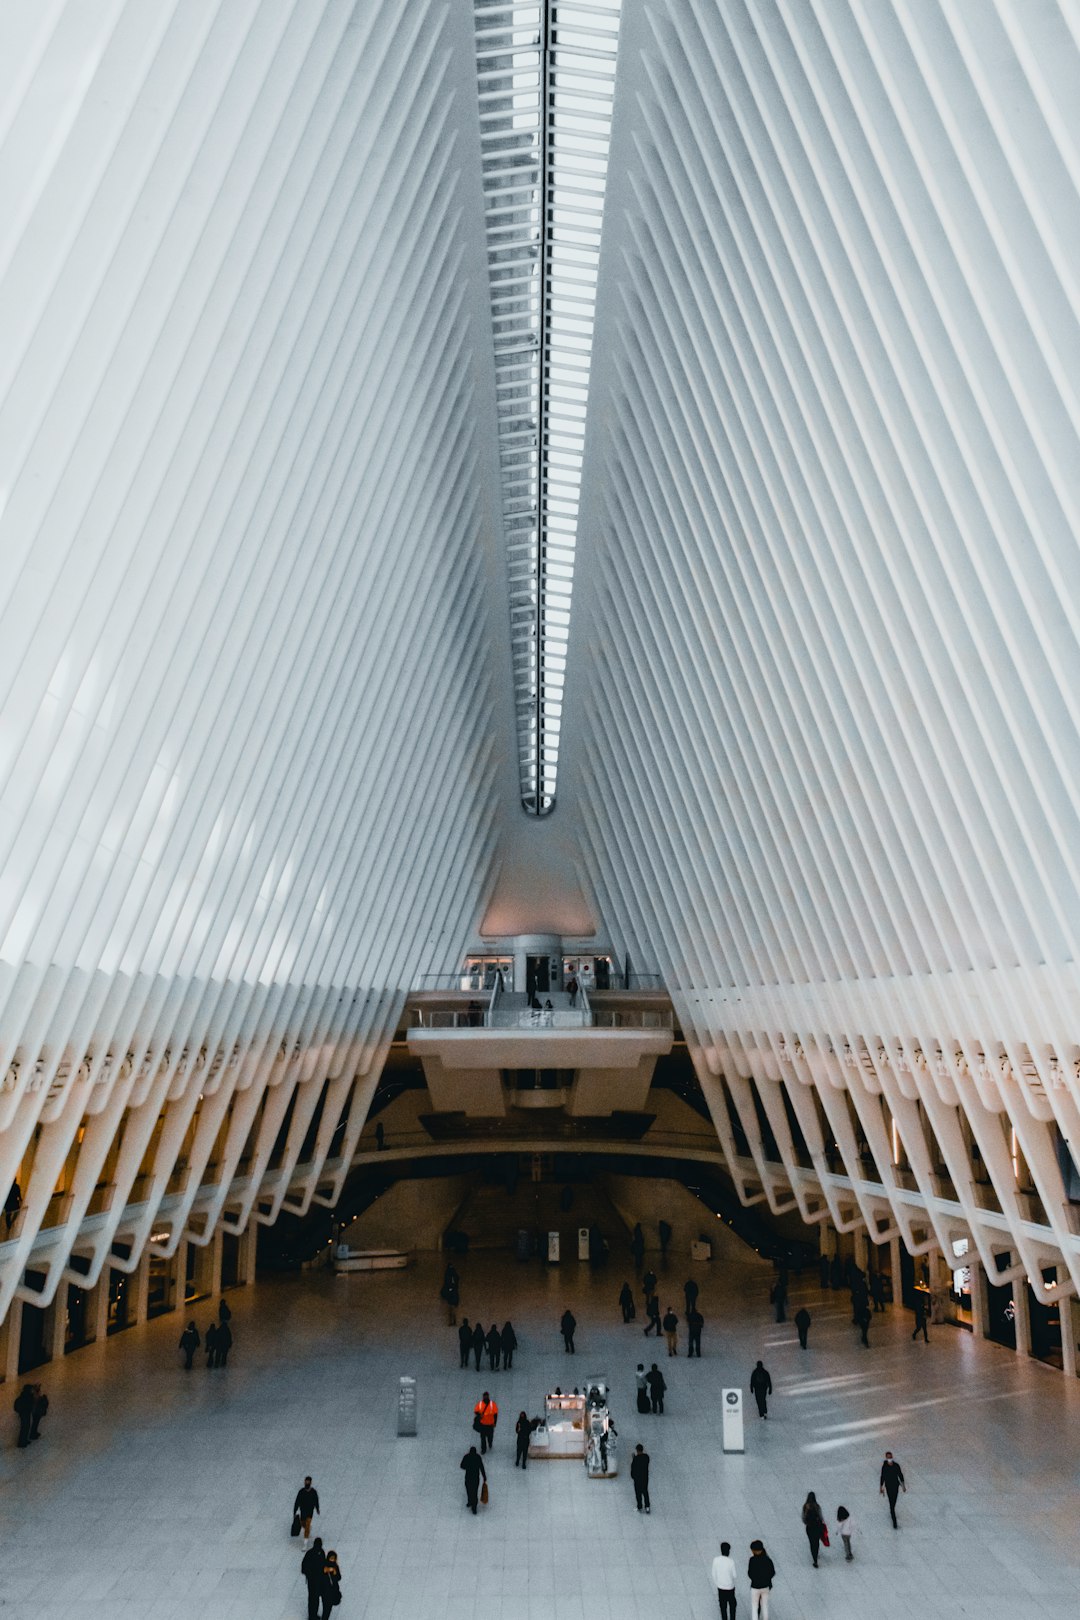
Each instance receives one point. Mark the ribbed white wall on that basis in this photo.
(825, 666)
(256, 695)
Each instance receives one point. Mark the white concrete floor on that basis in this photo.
(154, 1493)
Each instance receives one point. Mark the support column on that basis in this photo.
(980, 1301)
(894, 1268)
(217, 1244)
(98, 1308)
(12, 1340)
(245, 1253)
(56, 1324)
(1022, 1317)
(1070, 1332)
(862, 1247)
(140, 1289)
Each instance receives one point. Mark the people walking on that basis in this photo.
(222, 1343)
(652, 1309)
(761, 1388)
(331, 1585)
(311, 1568)
(189, 1343)
(690, 1294)
(509, 1345)
(306, 1506)
(494, 1347)
(24, 1410)
(920, 1318)
(891, 1483)
(464, 1339)
(643, 1404)
(479, 1339)
(845, 1525)
(694, 1324)
(863, 1320)
(762, 1573)
(639, 1473)
(723, 1577)
(657, 1389)
(814, 1525)
(485, 1417)
(626, 1300)
(522, 1436)
(474, 1473)
(671, 1331)
(802, 1325)
(566, 1327)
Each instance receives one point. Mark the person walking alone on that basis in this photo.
(189, 1343)
(814, 1525)
(306, 1506)
(522, 1436)
(657, 1388)
(494, 1347)
(652, 1310)
(311, 1568)
(723, 1576)
(485, 1417)
(648, 1283)
(509, 1345)
(464, 1339)
(802, 1325)
(845, 1525)
(566, 1328)
(694, 1324)
(762, 1573)
(891, 1484)
(761, 1389)
(626, 1300)
(671, 1331)
(920, 1318)
(478, 1342)
(474, 1473)
(639, 1473)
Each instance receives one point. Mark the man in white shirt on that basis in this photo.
(723, 1574)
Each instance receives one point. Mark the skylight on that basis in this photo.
(546, 77)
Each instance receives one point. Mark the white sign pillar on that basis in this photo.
(733, 1420)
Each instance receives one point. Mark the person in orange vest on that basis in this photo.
(485, 1417)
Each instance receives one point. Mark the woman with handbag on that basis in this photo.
(331, 1584)
(814, 1525)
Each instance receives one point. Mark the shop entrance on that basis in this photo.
(1045, 1325)
(1001, 1312)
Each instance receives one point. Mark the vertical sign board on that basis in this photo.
(583, 1242)
(733, 1420)
(406, 1406)
(553, 1248)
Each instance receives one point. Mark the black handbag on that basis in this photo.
(295, 1531)
(476, 1423)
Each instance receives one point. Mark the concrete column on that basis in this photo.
(980, 1300)
(245, 1252)
(862, 1247)
(97, 1311)
(56, 1324)
(217, 1245)
(1022, 1317)
(825, 1238)
(894, 1268)
(12, 1338)
(140, 1290)
(1070, 1332)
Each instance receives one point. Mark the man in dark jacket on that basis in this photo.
(762, 1573)
(920, 1317)
(311, 1568)
(24, 1408)
(761, 1388)
(891, 1484)
(690, 1291)
(189, 1343)
(626, 1300)
(306, 1505)
(639, 1473)
(223, 1344)
(652, 1310)
(464, 1339)
(474, 1473)
(509, 1345)
(694, 1324)
(648, 1283)
(478, 1343)
(210, 1344)
(802, 1324)
(657, 1388)
(494, 1347)
(566, 1328)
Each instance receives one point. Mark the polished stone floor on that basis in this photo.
(156, 1493)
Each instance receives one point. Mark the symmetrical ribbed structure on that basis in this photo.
(252, 649)
(828, 769)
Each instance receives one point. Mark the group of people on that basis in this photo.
(761, 1572)
(320, 1569)
(217, 1343)
(651, 1389)
(499, 1343)
(668, 1324)
(30, 1405)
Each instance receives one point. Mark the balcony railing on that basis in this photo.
(539, 1019)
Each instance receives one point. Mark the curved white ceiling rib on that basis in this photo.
(825, 654)
(253, 652)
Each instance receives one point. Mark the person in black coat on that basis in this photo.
(189, 1343)
(223, 1344)
(690, 1292)
(224, 1313)
(694, 1324)
(760, 1569)
(464, 1338)
(210, 1345)
(891, 1484)
(814, 1525)
(802, 1324)
(306, 1506)
(24, 1409)
(761, 1388)
(920, 1318)
(331, 1585)
(478, 1341)
(639, 1473)
(626, 1300)
(567, 1327)
(648, 1283)
(311, 1568)
(474, 1473)
(494, 1347)
(863, 1319)
(509, 1345)
(657, 1388)
(523, 1434)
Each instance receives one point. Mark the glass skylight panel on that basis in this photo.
(546, 77)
